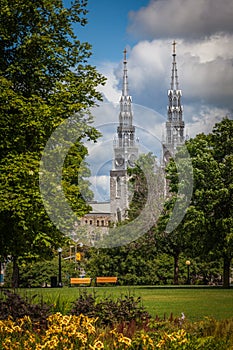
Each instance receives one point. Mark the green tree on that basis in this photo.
(146, 185)
(44, 79)
(134, 262)
(171, 236)
(210, 217)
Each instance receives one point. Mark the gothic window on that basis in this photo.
(175, 101)
(118, 187)
(97, 223)
(102, 222)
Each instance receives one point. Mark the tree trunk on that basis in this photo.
(226, 271)
(176, 269)
(15, 274)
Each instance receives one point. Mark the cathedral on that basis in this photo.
(126, 152)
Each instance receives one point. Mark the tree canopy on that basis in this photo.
(44, 79)
(210, 215)
(206, 230)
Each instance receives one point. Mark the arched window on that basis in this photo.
(118, 186)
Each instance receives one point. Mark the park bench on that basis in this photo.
(80, 281)
(107, 279)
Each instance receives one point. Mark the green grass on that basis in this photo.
(196, 303)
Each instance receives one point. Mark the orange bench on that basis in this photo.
(80, 281)
(107, 279)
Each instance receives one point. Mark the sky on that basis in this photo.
(203, 30)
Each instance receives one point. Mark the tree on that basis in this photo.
(133, 253)
(44, 79)
(210, 216)
(171, 236)
(206, 230)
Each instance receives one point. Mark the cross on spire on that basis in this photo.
(125, 52)
(174, 47)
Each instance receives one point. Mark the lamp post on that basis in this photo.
(187, 262)
(59, 267)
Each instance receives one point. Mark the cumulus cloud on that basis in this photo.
(182, 19)
(111, 89)
(100, 187)
(205, 71)
(203, 118)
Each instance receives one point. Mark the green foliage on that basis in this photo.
(209, 217)
(146, 186)
(206, 230)
(14, 306)
(39, 273)
(135, 264)
(110, 312)
(44, 79)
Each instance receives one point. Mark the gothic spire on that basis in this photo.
(126, 115)
(175, 123)
(125, 129)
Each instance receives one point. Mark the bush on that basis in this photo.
(14, 306)
(110, 312)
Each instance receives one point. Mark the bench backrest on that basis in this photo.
(79, 280)
(106, 279)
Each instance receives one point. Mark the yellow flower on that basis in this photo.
(98, 345)
(161, 343)
(125, 340)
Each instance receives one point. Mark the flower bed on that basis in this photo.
(80, 332)
(109, 327)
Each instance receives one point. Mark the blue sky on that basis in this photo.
(107, 28)
(203, 30)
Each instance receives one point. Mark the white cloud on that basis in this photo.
(182, 19)
(100, 186)
(203, 118)
(110, 90)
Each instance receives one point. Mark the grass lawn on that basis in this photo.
(194, 302)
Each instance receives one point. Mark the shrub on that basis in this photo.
(110, 312)
(14, 306)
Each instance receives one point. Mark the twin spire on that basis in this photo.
(174, 124)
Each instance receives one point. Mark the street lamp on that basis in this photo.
(59, 267)
(187, 262)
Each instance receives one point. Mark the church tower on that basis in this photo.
(125, 152)
(175, 124)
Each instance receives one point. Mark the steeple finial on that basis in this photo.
(125, 52)
(125, 77)
(174, 77)
(174, 47)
